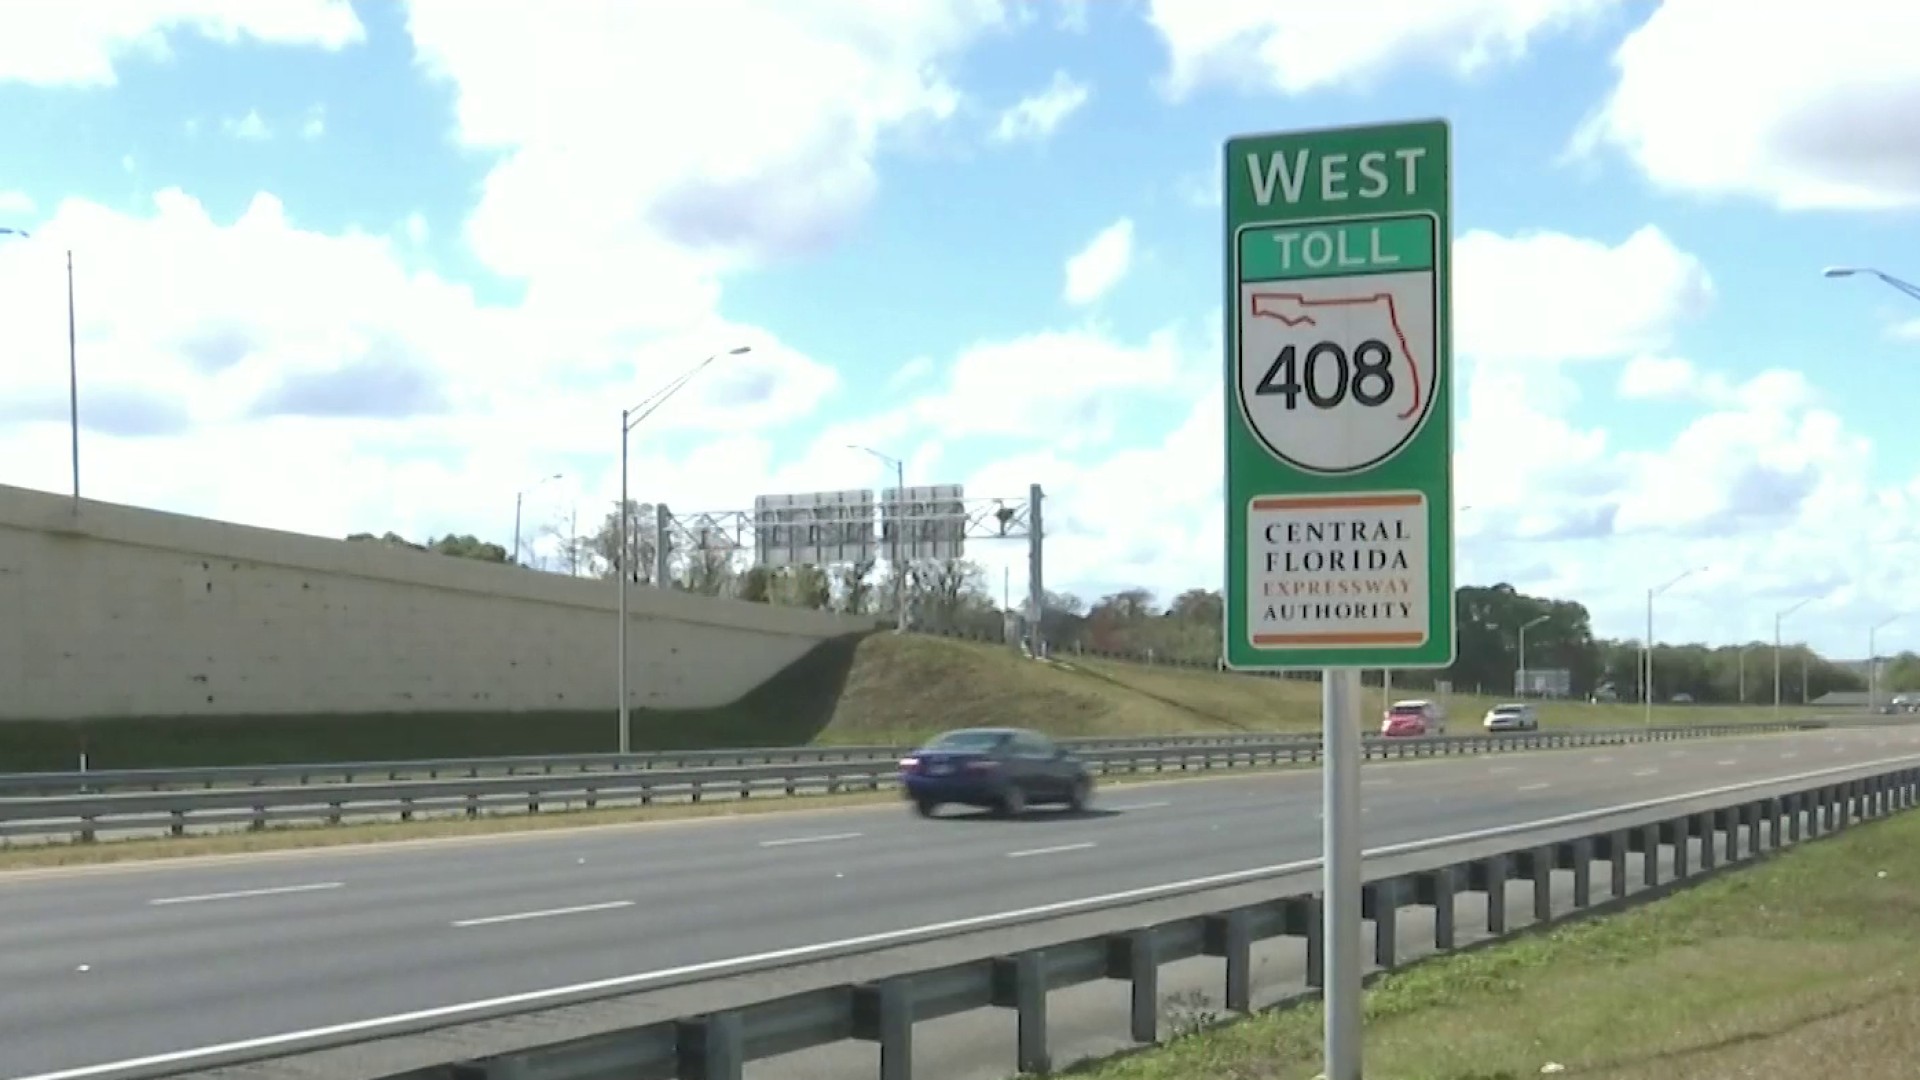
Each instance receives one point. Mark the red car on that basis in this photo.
(1413, 719)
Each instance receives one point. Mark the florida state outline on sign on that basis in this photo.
(1337, 375)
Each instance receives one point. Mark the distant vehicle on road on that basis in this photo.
(1414, 718)
(1003, 769)
(1514, 716)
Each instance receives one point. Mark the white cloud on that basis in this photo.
(76, 43)
(1039, 115)
(1550, 296)
(1907, 331)
(211, 383)
(251, 127)
(1803, 113)
(597, 224)
(1064, 385)
(15, 202)
(1094, 270)
(1654, 378)
(1295, 46)
(315, 123)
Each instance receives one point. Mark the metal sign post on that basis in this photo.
(1339, 451)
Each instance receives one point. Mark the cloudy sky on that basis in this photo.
(381, 264)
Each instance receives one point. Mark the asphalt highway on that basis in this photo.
(119, 963)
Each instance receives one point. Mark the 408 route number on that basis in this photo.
(1336, 376)
(1368, 376)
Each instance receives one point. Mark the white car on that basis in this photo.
(1517, 716)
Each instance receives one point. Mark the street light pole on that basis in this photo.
(1520, 687)
(1907, 287)
(628, 418)
(518, 496)
(899, 526)
(1646, 690)
(1778, 616)
(73, 368)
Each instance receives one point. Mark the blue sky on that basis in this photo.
(560, 213)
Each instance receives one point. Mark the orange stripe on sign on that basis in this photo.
(1332, 502)
(1403, 637)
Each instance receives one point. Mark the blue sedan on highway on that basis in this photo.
(1005, 769)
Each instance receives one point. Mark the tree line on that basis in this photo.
(954, 597)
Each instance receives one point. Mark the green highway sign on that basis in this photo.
(1339, 422)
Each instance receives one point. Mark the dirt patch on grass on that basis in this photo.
(1805, 965)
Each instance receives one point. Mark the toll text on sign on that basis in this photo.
(1338, 570)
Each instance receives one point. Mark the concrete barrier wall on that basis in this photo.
(115, 611)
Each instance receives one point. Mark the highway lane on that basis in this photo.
(128, 962)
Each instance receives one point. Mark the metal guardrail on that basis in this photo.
(348, 772)
(717, 1045)
(86, 817)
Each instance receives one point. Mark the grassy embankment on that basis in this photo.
(1807, 964)
(884, 688)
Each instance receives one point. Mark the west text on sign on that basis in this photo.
(1382, 173)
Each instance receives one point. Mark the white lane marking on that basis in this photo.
(1054, 850)
(521, 916)
(1601, 760)
(1498, 770)
(1647, 772)
(884, 938)
(1542, 786)
(1789, 755)
(1122, 808)
(242, 894)
(823, 838)
(1728, 761)
(1676, 753)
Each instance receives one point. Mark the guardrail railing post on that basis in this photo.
(1536, 865)
(1131, 956)
(711, 1047)
(883, 1013)
(1380, 901)
(1229, 935)
(1614, 848)
(1020, 983)
(1435, 889)
(1489, 877)
(1301, 917)
(1647, 839)
(1577, 856)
